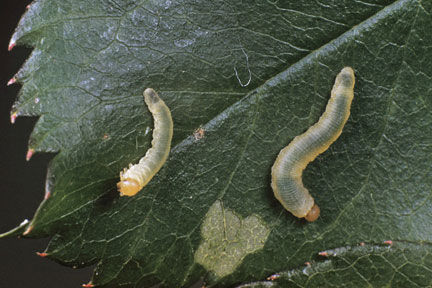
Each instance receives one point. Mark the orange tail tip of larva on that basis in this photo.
(313, 214)
(128, 187)
(88, 285)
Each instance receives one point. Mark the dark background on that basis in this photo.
(21, 182)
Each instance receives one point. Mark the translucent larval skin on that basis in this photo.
(288, 168)
(133, 179)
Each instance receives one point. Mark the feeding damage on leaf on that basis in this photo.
(228, 239)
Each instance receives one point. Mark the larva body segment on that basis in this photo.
(288, 168)
(132, 180)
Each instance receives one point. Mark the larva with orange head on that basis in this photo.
(133, 179)
(288, 168)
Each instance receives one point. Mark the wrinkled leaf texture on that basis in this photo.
(84, 80)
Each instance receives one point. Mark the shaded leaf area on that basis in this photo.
(403, 264)
(373, 184)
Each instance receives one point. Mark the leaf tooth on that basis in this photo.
(43, 137)
(44, 145)
(29, 23)
(42, 254)
(29, 229)
(30, 66)
(11, 81)
(27, 102)
(29, 154)
(47, 193)
(274, 277)
(28, 108)
(24, 104)
(323, 253)
(13, 117)
(12, 44)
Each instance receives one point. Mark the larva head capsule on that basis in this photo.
(345, 79)
(313, 214)
(128, 187)
(151, 97)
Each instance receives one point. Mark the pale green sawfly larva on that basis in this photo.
(132, 180)
(288, 168)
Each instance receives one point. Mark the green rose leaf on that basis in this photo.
(251, 76)
(393, 264)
